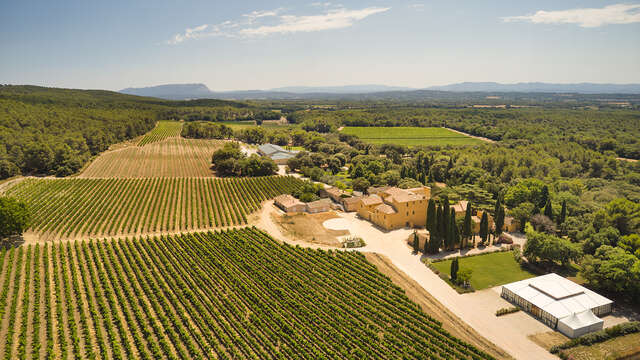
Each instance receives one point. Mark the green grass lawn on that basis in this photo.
(489, 270)
(410, 136)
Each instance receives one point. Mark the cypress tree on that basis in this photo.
(544, 197)
(454, 269)
(497, 207)
(563, 212)
(499, 220)
(416, 245)
(484, 227)
(438, 228)
(453, 239)
(466, 228)
(431, 216)
(548, 210)
(445, 233)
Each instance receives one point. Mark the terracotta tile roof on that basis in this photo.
(351, 200)
(286, 200)
(334, 191)
(385, 209)
(371, 200)
(319, 204)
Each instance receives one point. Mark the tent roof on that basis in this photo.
(581, 320)
(556, 295)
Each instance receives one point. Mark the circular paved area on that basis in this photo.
(336, 224)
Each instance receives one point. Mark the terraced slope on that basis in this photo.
(172, 157)
(82, 208)
(235, 294)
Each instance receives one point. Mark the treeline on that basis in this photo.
(58, 139)
(249, 135)
(50, 131)
(599, 130)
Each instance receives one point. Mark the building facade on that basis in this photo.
(392, 208)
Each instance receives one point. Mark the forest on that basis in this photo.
(47, 131)
(616, 130)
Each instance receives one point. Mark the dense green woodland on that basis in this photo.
(599, 130)
(45, 131)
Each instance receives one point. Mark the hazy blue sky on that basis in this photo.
(231, 45)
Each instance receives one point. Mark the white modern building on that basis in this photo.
(560, 303)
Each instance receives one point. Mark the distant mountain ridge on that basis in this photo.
(172, 91)
(581, 88)
(201, 91)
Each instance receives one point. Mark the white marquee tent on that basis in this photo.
(559, 303)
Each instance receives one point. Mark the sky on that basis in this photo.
(260, 44)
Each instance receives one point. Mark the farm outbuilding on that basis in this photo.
(289, 204)
(277, 153)
(559, 303)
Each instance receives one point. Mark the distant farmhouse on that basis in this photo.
(277, 153)
(560, 303)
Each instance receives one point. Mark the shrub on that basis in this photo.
(505, 311)
(600, 336)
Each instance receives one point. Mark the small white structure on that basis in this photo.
(576, 325)
(560, 303)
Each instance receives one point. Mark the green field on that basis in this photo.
(410, 136)
(236, 294)
(489, 270)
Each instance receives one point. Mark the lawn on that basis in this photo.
(489, 270)
(410, 136)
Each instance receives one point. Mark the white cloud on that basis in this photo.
(254, 15)
(256, 23)
(334, 19)
(417, 7)
(192, 33)
(588, 17)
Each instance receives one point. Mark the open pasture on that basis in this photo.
(225, 295)
(410, 136)
(489, 270)
(172, 157)
(162, 131)
(82, 208)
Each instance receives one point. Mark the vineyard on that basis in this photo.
(173, 157)
(73, 208)
(164, 130)
(229, 295)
